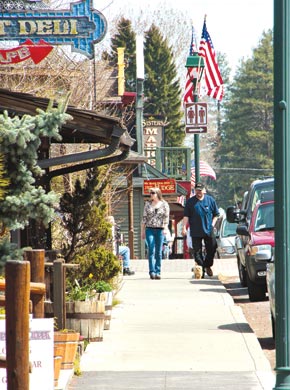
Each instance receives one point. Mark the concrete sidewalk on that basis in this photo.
(176, 333)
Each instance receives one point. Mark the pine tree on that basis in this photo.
(161, 87)
(162, 92)
(88, 232)
(20, 140)
(84, 216)
(22, 199)
(246, 138)
(125, 37)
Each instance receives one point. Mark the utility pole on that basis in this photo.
(140, 92)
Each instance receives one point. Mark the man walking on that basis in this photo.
(201, 213)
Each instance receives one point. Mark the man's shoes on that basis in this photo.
(152, 275)
(209, 271)
(157, 277)
(127, 271)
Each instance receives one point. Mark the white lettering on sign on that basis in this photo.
(150, 130)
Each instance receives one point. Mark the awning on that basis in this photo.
(85, 127)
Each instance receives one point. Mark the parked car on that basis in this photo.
(259, 190)
(250, 199)
(270, 280)
(257, 239)
(225, 237)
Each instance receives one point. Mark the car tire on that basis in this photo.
(256, 292)
(242, 273)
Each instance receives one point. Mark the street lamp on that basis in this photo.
(195, 67)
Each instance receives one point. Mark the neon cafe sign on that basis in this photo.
(81, 26)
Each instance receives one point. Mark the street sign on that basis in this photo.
(195, 130)
(196, 117)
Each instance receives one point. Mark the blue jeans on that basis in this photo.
(124, 251)
(154, 240)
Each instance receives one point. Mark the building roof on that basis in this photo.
(87, 126)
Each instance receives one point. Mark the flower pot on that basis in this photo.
(67, 341)
(57, 366)
(87, 318)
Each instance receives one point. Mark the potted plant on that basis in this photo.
(66, 345)
(85, 307)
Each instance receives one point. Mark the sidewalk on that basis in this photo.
(176, 333)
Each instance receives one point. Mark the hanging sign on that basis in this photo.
(37, 52)
(167, 186)
(80, 27)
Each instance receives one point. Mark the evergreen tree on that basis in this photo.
(83, 216)
(20, 140)
(161, 86)
(246, 137)
(22, 199)
(162, 92)
(125, 37)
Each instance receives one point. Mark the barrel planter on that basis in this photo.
(58, 353)
(87, 318)
(57, 366)
(108, 309)
(67, 342)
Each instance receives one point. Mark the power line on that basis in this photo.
(245, 169)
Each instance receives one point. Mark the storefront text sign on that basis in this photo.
(80, 27)
(41, 354)
(167, 186)
(152, 136)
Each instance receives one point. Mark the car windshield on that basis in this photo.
(265, 217)
(229, 229)
(258, 192)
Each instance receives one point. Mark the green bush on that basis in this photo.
(100, 262)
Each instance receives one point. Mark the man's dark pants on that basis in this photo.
(210, 248)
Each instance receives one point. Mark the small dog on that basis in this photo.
(198, 271)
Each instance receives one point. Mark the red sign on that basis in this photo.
(167, 186)
(37, 52)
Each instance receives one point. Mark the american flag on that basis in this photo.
(204, 170)
(188, 94)
(213, 78)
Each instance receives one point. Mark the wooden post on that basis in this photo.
(131, 215)
(36, 259)
(17, 291)
(59, 293)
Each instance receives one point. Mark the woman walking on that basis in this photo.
(154, 225)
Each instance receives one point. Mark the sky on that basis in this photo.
(235, 26)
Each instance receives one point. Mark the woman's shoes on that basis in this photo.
(153, 276)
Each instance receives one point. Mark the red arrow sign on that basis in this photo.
(37, 52)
